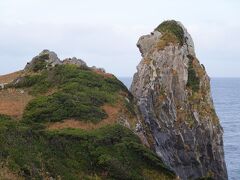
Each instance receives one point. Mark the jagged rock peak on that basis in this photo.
(172, 91)
(48, 58)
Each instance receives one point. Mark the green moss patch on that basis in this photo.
(173, 28)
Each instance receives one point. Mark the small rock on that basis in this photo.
(75, 61)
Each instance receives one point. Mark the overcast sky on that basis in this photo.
(104, 32)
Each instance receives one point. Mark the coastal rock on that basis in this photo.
(172, 92)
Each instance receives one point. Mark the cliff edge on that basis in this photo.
(172, 91)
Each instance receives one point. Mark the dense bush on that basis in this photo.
(64, 76)
(4, 118)
(39, 64)
(80, 93)
(37, 83)
(61, 105)
(112, 152)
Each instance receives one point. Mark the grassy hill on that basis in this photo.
(68, 122)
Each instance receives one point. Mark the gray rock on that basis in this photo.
(53, 58)
(75, 61)
(172, 91)
(48, 59)
(44, 60)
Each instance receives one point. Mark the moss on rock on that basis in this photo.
(173, 28)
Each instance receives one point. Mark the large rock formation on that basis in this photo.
(173, 95)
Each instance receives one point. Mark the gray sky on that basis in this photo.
(104, 33)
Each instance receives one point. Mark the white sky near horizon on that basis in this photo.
(104, 33)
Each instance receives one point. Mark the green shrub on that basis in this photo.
(114, 167)
(39, 65)
(63, 76)
(28, 81)
(193, 81)
(37, 83)
(80, 94)
(61, 106)
(4, 118)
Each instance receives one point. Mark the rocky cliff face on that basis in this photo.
(173, 95)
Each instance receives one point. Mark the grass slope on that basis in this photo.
(112, 152)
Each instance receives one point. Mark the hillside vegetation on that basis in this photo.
(78, 93)
(31, 151)
(112, 152)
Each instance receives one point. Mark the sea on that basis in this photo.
(226, 97)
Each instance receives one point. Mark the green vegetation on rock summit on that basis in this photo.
(172, 28)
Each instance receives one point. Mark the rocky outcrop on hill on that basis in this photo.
(172, 91)
(47, 59)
